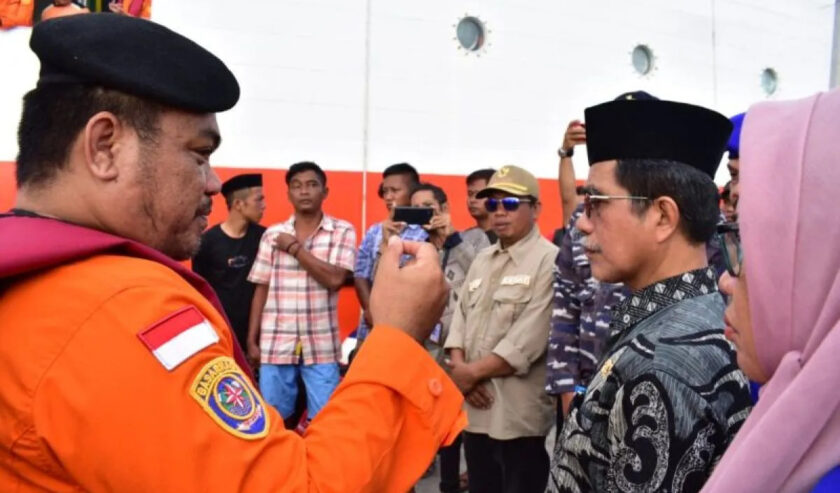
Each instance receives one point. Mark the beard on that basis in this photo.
(167, 227)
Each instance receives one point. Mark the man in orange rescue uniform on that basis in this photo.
(118, 372)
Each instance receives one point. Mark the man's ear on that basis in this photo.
(102, 140)
(537, 209)
(666, 216)
(326, 193)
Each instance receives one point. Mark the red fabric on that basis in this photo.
(165, 330)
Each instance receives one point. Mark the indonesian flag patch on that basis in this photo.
(178, 336)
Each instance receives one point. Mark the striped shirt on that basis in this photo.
(298, 308)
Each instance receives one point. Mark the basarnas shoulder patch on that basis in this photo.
(229, 398)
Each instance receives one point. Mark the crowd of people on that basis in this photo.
(23, 13)
(637, 334)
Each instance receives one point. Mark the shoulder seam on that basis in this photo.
(79, 327)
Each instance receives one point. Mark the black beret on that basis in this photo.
(135, 56)
(239, 182)
(655, 129)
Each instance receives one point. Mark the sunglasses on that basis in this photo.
(509, 204)
(729, 239)
(591, 201)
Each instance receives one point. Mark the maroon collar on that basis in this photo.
(29, 243)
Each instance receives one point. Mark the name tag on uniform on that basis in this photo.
(518, 280)
(474, 285)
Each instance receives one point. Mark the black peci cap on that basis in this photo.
(655, 129)
(135, 56)
(239, 182)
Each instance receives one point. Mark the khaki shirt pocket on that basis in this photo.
(508, 304)
(473, 296)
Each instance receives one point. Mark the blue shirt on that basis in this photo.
(367, 256)
(829, 483)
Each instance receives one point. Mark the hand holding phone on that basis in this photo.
(413, 215)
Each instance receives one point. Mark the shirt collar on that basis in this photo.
(661, 294)
(519, 250)
(327, 223)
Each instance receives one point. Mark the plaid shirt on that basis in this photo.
(368, 252)
(298, 309)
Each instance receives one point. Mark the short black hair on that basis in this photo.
(481, 174)
(694, 192)
(54, 114)
(239, 193)
(306, 166)
(402, 169)
(438, 192)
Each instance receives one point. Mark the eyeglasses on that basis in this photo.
(729, 238)
(591, 202)
(510, 204)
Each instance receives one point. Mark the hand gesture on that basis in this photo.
(284, 241)
(575, 134)
(439, 228)
(480, 397)
(116, 7)
(253, 355)
(463, 376)
(411, 298)
(391, 228)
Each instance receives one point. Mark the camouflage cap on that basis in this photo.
(513, 180)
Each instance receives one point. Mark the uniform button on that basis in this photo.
(435, 387)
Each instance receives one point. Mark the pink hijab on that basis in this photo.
(790, 229)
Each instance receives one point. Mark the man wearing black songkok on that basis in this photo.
(228, 250)
(667, 396)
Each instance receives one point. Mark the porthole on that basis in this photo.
(769, 81)
(470, 33)
(643, 59)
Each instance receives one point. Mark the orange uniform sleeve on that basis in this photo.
(118, 420)
(14, 13)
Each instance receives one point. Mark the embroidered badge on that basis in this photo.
(474, 285)
(229, 398)
(521, 279)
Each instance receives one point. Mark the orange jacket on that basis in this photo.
(87, 402)
(14, 13)
(145, 9)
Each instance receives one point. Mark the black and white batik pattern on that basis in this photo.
(666, 399)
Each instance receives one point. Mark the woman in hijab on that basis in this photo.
(784, 314)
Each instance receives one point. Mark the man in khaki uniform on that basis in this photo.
(497, 342)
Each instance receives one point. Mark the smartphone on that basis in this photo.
(413, 215)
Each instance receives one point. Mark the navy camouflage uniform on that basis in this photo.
(581, 317)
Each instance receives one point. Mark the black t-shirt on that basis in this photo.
(225, 263)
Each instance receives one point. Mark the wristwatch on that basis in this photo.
(566, 152)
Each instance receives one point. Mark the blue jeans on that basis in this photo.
(278, 385)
